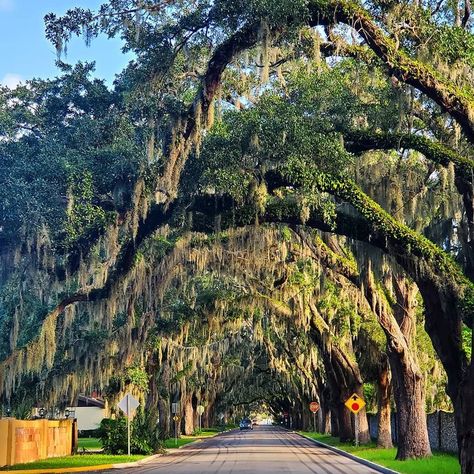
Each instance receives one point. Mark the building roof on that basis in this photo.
(84, 401)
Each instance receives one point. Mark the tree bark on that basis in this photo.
(324, 411)
(334, 423)
(188, 415)
(384, 437)
(413, 441)
(164, 424)
(465, 422)
(346, 432)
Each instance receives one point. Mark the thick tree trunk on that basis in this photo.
(464, 410)
(324, 414)
(466, 434)
(408, 383)
(307, 418)
(208, 417)
(325, 420)
(334, 428)
(188, 416)
(196, 401)
(164, 418)
(384, 437)
(413, 441)
(364, 432)
(346, 432)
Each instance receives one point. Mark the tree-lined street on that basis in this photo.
(267, 214)
(265, 450)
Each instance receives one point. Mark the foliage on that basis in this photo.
(311, 126)
(137, 377)
(58, 137)
(113, 435)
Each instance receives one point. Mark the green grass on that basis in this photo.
(439, 463)
(84, 460)
(206, 433)
(172, 443)
(79, 460)
(90, 444)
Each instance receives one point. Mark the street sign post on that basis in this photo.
(176, 419)
(355, 405)
(175, 410)
(314, 407)
(128, 405)
(200, 411)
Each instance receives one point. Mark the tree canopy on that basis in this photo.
(275, 195)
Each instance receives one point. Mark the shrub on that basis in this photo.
(113, 434)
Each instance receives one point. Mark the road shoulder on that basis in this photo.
(372, 465)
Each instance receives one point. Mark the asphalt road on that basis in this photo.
(263, 450)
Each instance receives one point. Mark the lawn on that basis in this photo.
(84, 460)
(441, 463)
(171, 442)
(90, 444)
(177, 443)
(79, 460)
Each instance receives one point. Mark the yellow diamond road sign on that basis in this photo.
(355, 403)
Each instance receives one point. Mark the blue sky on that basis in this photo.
(25, 53)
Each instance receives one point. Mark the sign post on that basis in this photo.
(200, 411)
(176, 418)
(314, 407)
(355, 405)
(128, 405)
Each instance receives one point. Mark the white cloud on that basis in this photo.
(11, 80)
(6, 5)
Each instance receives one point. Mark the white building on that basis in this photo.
(89, 412)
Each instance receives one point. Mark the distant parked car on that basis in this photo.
(246, 424)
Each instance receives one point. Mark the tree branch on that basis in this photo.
(450, 98)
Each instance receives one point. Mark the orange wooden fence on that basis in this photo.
(24, 441)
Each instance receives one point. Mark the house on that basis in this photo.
(89, 412)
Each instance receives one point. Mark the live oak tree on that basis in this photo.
(404, 94)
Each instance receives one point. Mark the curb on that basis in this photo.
(372, 465)
(143, 461)
(102, 467)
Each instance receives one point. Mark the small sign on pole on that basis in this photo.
(355, 405)
(314, 407)
(200, 411)
(176, 419)
(128, 405)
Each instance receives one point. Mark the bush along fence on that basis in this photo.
(441, 430)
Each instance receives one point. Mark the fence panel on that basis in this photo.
(29, 440)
